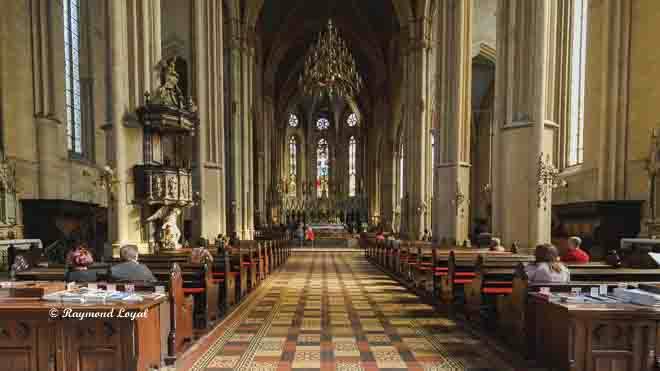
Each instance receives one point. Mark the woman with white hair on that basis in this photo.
(574, 253)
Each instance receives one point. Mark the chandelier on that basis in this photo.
(330, 67)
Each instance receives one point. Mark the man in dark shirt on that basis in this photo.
(574, 253)
(130, 270)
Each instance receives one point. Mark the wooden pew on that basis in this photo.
(591, 336)
(514, 316)
(250, 261)
(176, 323)
(198, 282)
(180, 334)
(493, 277)
(460, 271)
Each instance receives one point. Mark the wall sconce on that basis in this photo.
(459, 198)
(547, 180)
(107, 181)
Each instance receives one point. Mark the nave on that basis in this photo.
(337, 311)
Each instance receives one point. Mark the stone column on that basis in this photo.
(248, 122)
(388, 182)
(118, 207)
(452, 123)
(524, 130)
(209, 218)
(135, 52)
(416, 128)
(48, 56)
(236, 160)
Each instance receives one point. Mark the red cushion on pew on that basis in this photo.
(219, 273)
(465, 274)
(497, 290)
(498, 283)
(439, 274)
(193, 290)
(462, 281)
(441, 269)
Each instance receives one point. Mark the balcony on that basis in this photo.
(162, 185)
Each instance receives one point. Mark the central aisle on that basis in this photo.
(335, 311)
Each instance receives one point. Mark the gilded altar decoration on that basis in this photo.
(330, 67)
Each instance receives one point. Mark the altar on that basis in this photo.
(328, 231)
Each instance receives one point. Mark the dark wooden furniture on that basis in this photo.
(600, 224)
(595, 337)
(30, 339)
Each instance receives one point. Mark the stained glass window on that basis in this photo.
(322, 123)
(72, 76)
(352, 166)
(293, 164)
(578, 61)
(322, 167)
(432, 163)
(293, 120)
(352, 119)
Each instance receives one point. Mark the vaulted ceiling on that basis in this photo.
(289, 27)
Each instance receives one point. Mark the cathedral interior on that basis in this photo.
(353, 165)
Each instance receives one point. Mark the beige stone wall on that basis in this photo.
(644, 92)
(21, 114)
(643, 95)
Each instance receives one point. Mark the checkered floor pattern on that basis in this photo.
(335, 311)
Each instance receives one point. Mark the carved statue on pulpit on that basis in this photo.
(169, 92)
(170, 233)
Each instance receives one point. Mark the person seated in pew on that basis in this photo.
(573, 251)
(380, 236)
(426, 236)
(77, 260)
(201, 255)
(547, 267)
(130, 270)
(496, 245)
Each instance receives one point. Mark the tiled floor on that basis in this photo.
(335, 311)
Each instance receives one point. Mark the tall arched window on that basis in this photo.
(322, 167)
(352, 166)
(401, 177)
(73, 98)
(293, 164)
(578, 63)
